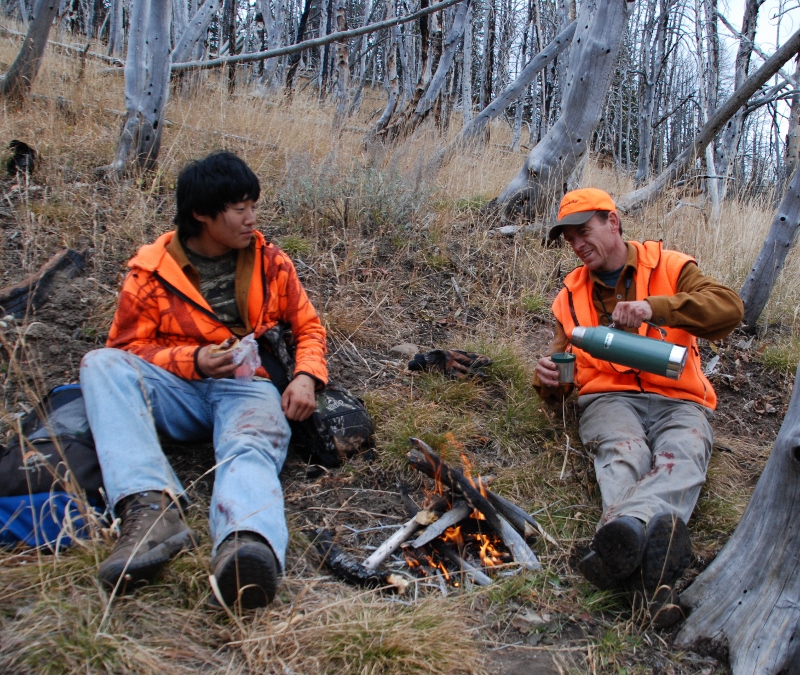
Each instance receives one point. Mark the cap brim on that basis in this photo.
(578, 218)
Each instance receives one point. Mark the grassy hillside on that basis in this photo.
(390, 254)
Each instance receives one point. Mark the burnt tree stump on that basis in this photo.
(746, 605)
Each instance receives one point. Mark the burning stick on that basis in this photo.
(350, 570)
(429, 463)
(455, 515)
(477, 576)
(393, 543)
(426, 460)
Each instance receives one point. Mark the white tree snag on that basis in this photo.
(733, 129)
(510, 94)
(638, 198)
(466, 77)
(593, 56)
(342, 89)
(310, 44)
(452, 40)
(17, 82)
(769, 263)
(195, 30)
(746, 604)
(146, 86)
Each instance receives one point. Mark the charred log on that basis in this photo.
(341, 564)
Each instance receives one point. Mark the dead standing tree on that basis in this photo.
(638, 198)
(746, 604)
(769, 263)
(600, 28)
(147, 72)
(17, 82)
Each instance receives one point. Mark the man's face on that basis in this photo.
(597, 242)
(231, 228)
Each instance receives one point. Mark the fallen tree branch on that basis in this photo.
(70, 49)
(637, 199)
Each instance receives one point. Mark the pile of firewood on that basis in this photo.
(468, 532)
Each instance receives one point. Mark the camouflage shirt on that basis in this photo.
(217, 284)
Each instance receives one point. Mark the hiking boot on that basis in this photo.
(246, 571)
(620, 545)
(595, 571)
(667, 553)
(661, 609)
(152, 533)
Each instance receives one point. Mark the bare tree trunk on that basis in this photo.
(147, 71)
(512, 92)
(116, 42)
(451, 43)
(769, 263)
(274, 24)
(638, 198)
(792, 157)
(653, 55)
(195, 31)
(294, 59)
(487, 65)
(746, 604)
(180, 19)
(392, 81)
(17, 82)
(706, 15)
(342, 69)
(466, 76)
(592, 60)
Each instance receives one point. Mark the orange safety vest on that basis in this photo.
(657, 273)
(164, 319)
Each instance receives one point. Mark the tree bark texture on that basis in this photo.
(195, 31)
(342, 69)
(638, 198)
(793, 134)
(466, 75)
(513, 92)
(17, 82)
(772, 256)
(147, 71)
(593, 56)
(746, 604)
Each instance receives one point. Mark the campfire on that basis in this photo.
(468, 532)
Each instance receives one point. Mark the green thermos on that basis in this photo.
(629, 349)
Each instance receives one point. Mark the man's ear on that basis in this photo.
(200, 218)
(613, 218)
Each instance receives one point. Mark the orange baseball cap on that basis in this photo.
(577, 206)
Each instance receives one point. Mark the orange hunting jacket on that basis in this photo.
(163, 318)
(657, 273)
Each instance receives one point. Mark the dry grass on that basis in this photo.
(378, 244)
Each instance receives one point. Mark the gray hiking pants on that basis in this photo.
(651, 452)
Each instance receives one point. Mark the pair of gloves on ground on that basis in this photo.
(451, 362)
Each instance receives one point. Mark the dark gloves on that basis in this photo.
(452, 362)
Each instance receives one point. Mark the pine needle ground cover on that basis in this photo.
(390, 253)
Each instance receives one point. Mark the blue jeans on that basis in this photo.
(130, 401)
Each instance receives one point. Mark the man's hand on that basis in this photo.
(632, 314)
(215, 365)
(547, 372)
(298, 401)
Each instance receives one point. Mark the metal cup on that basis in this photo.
(566, 366)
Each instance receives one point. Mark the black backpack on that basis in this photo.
(44, 470)
(339, 428)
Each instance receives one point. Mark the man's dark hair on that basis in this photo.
(208, 186)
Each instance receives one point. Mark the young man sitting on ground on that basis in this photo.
(213, 279)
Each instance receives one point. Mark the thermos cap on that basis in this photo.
(676, 362)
